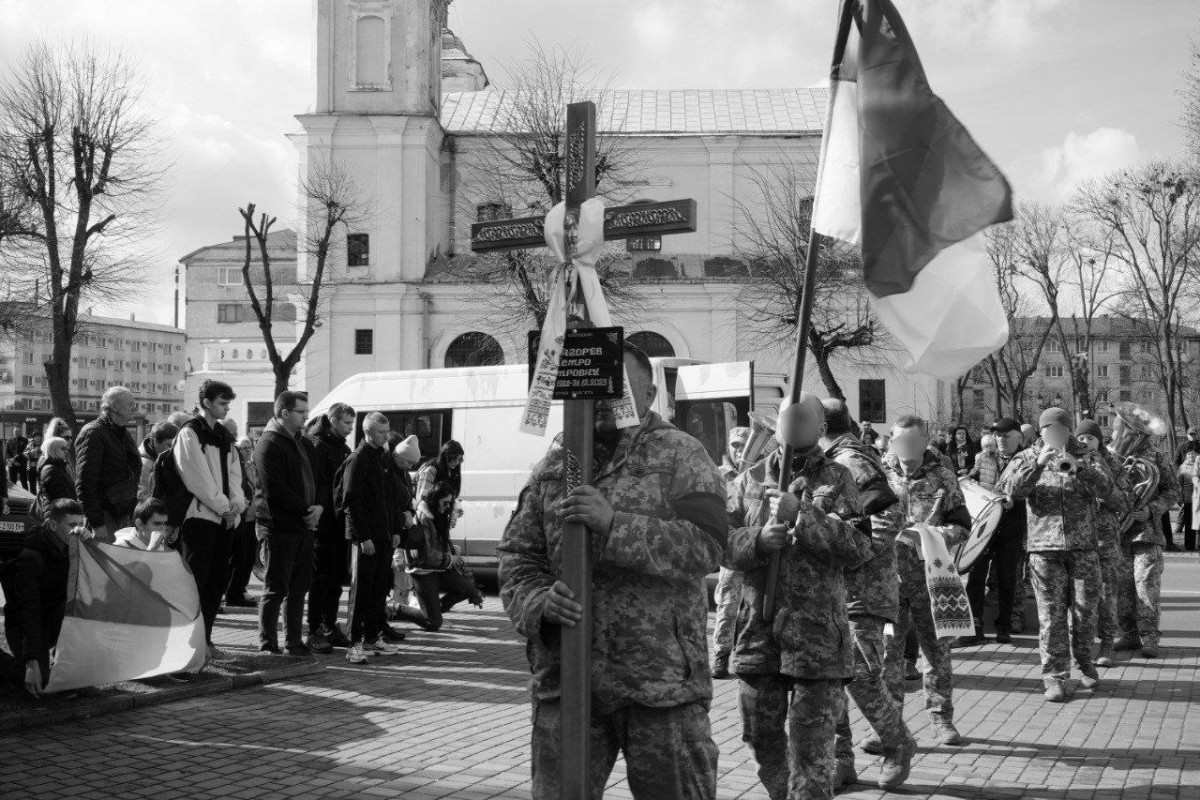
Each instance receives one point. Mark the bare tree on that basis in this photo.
(1011, 367)
(82, 161)
(771, 232)
(334, 206)
(1152, 213)
(1069, 261)
(518, 169)
(1190, 94)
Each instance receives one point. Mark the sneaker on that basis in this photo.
(1105, 657)
(945, 732)
(380, 647)
(1090, 678)
(335, 637)
(897, 765)
(720, 667)
(318, 643)
(1003, 637)
(845, 775)
(217, 655)
(299, 651)
(911, 673)
(1126, 643)
(1056, 690)
(1149, 651)
(270, 647)
(391, 635)
(872, 746)
(356, 654)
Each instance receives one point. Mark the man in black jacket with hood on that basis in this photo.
(328, 438)
(285, 507)
(35, 591)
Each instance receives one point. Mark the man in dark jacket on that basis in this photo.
(285, 508)
(35, 591)
(108, 465)
(368, 499)
(14, 457)
(329, 449)
(1006, 553)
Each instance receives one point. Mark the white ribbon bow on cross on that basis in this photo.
(577, 271)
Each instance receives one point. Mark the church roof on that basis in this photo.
(665, 112)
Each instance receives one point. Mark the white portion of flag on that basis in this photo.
(952, 317)
(837, 204)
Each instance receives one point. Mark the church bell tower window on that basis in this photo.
(371, 56)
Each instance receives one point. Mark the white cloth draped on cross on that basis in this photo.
(575, 273)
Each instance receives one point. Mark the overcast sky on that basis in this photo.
(1054, 90)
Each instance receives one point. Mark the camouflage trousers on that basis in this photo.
(938, 669)
(869, 691)
(669, 752)
(792, 740)
(1110, 577)
(1140, 592)
(1066, 584)
(728, 596)
(1024, 587)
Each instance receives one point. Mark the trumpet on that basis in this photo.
(1066, 463)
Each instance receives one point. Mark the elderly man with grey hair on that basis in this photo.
(108, 465)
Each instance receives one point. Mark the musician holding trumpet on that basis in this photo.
(1063, 484)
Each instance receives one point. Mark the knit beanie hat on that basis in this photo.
(1053, 415)
(409, 450)
(1089, 427)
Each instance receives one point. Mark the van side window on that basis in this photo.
(710, 421)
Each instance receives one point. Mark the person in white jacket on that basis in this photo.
(211, 470)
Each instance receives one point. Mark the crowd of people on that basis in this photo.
(857, 533)
(298, 506)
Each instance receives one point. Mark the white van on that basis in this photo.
(481, 407)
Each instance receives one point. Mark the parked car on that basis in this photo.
(15, 524)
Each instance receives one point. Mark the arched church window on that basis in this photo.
(474, 349)
(652, 344)
(235, 353)
(370, 52)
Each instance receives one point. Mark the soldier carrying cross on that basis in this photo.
(649, 508)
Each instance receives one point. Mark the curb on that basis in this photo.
(89, 709)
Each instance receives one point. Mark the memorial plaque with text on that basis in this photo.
(592, 365)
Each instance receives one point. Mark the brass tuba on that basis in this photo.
(762, 431)
(1141, 473)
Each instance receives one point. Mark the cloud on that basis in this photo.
(1084, 156)
(1008, 27)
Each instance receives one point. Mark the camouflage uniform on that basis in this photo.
(1062, 545)
(1108, 536)
(872, 599)
(651, 685)
(918, 492)
(727, 596)
(1142, 545)
(807, 648)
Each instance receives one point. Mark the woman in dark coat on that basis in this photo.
(962, 450)
(56, 476)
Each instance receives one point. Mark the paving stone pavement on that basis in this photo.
(449, 717)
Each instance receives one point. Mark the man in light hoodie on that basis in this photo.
(211, 470)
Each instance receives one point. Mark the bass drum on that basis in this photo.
(986, 507)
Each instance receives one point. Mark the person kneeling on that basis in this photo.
(149, 524)
(441, 577)
(35, 588)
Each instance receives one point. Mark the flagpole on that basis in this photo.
(804, 305)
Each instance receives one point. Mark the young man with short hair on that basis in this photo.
(211, 471)
(287, 515)
(149, 530)
(35, 593)
(368, 497)
(327, 435)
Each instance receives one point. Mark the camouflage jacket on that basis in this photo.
(1062, 506)
(918, 493)
(650, 604)
(1109, 510)
(809, 637)
(1149, 531)
(872, 588)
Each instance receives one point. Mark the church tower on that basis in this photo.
(377, 80)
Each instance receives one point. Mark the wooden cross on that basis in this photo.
(620, 222)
